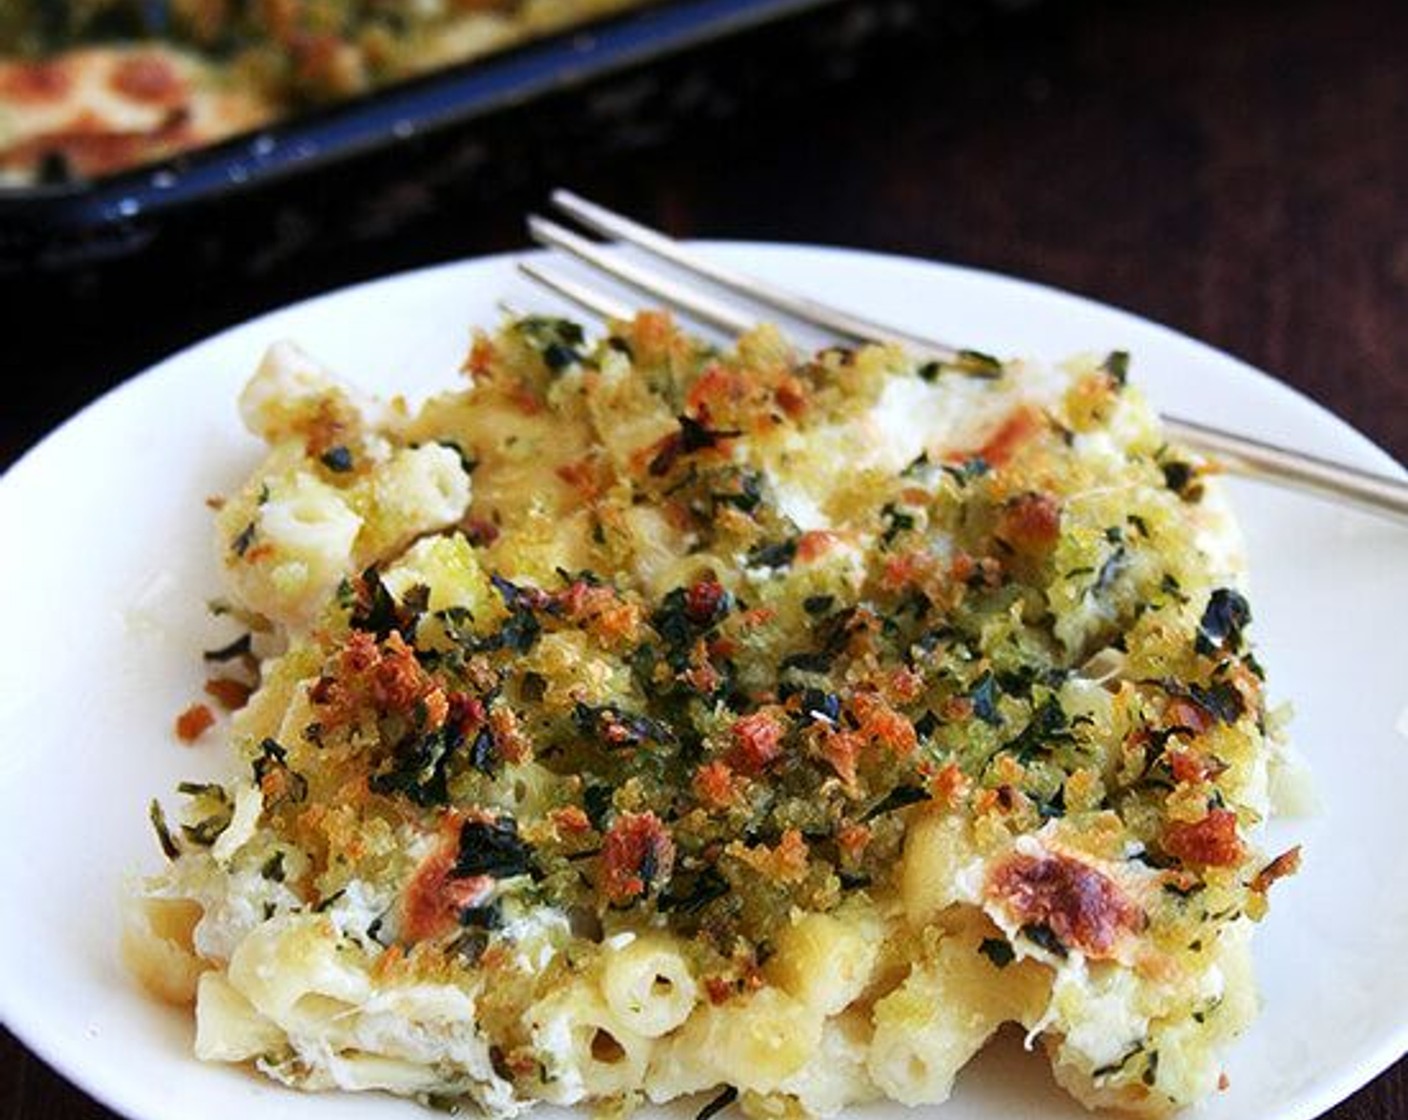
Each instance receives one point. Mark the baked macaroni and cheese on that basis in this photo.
(96, 110)
(641, 719)
(94, 87)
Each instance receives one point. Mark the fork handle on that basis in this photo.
(1254, 459)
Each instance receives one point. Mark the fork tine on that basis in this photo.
(1254, 458)
(855, 328)
(695, 303)
(590, 300)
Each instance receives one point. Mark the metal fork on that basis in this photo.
(1238, 454)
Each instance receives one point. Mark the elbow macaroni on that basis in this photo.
(674, 755)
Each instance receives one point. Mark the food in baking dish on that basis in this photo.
(642, 719)
(96, 87)
(96, 110)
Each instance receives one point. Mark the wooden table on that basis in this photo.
(1237, 170)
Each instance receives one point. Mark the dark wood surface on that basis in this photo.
(1237, 170)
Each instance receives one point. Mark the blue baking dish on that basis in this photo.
(53, 227)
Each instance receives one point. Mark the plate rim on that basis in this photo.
(49, 1047)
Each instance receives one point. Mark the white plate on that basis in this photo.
(106, 562)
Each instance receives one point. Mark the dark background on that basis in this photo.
(1237, 170)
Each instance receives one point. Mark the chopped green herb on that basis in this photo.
(467, 462)
(718, 1104)
(615, 728)
(205, 832)
(1221, 699)
(1054, 806)
(926, 725)
(916, 466)
(984, 699)
(1043, 936)
(483, 917)
(163, 834)
(1114, 566)
(998, 950)
(692, 436)
(243, 539)
(559, 341)
(420, 767)
(743, 491)
(977, 364)
(238, 648)
(897, 798)
(1047, 727)
(1119, 1063)
(374, 608)
(897, 522)
(1116, 364)
(1182, 479)
(706, 887)
(273, 868)
(559, 357)
(777, 554)
(968, 470)
(812, 661)
(596, 800)
(337, 459)
(1223, 621)
(492, 848)
(273, 758)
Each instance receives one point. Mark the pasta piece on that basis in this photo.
(755, 1042)
(586, 1050)
(290, 970)
(1106, 1057)
(228, 1028)
(249, 803)
(446, 566)
(290, 391)
(287, 545)
(834, 1078)
(417, 490)
(823, 961)
(950, 1004)
(648, 985)
(157, 946)
(938, 849)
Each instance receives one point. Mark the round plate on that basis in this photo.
(108, 562)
